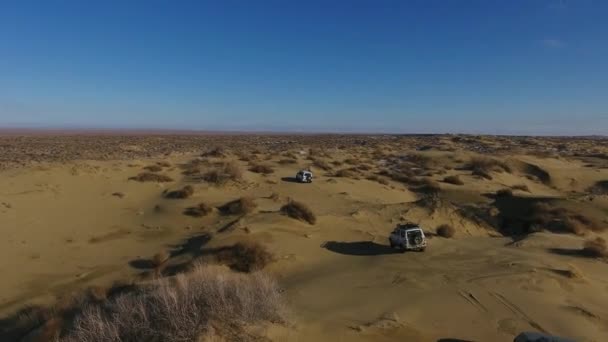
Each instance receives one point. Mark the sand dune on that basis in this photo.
(513, 265)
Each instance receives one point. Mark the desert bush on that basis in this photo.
(299, 211)
(223, 173)
(261, 168)
(595, 248)
(160, 258)
(453, 180)
(191, 307)
(504, 192)
(599, 188)
(287, 161)
(485, 165)
(151, 177)
(521, 187)
(182, 193)
(163, 164)
(446, 231)
(245, 256)
(482, 173)
(321, 164)
(378, 179)
(344, 173)
(153, 168)
(202, 209)
(217, 152)
(274, 196)
(241, 206)
(560, 219)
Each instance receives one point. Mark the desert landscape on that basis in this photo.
(210, 237)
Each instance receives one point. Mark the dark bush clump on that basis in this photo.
(151, 177)
(153, 168)
(241, 206)
(202, 209)
(446, 231)
(245, 256)
(261, 168)
(299, 211)
(184, 192)
(453, 180)
(223, 173)
(595, 248)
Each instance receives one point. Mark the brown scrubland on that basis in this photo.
(194, 237)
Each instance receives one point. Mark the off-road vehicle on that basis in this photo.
(408, 237)
(304, 176)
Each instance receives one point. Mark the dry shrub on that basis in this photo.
(160, 258)
(595, 248)
(521, 187)
(274, 196)
(560, 219)
(344, 173)
(151, 177)
(261, 168)
(299, 211)
(163, 164)
(223, 173)
(208, 302)
(241, 206)
(378, 179)
(153, 168)
(287, 161)
(245, 256)
(482, 174)
(217, 152)
(321, 164)
(446, 231)
(504, 193)
(184, 192)
(453, 180)
(599, 188)
(202, 209)
(485, 165)
(119, 194)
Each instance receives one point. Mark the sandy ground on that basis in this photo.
(64, 230)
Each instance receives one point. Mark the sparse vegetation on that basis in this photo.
(202, 209)
(446, 231)
(287, 161)
(599, 188)
(153, 168)
(182, 193)
(321, 164)
(216, 152)
(521, 187)
(453, 180)
(151, 177)
(299, 211)
(241, 206)
(344, 173)
(223, 173)
(245, 256)
(595, 248)
(483, 166)
(504, 192)
(261, 168)
(208, 302)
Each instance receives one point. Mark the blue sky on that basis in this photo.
(508, 67)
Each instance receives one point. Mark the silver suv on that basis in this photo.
(408, 237)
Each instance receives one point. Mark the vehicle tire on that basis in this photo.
(421, 249)
(392, 244)
(403, 249)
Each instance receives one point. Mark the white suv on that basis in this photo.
(304, 176)
(408, 237)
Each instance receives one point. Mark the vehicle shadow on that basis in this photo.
(361, 248)
(290, 179)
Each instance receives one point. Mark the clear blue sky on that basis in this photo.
(528, 66)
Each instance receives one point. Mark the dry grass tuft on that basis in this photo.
(299, 211)
(599, 188)
(321, 164)
(245, 256)
(151, 177)
(378, 179)
(595, 248)
(521, 187)
(223, 173)
(153, 168)
(241, 206)
(163, 164)
(483, 166)
(206, 303)
(344, 173)
(504, 193)
(453, 180)
(216, 152)
(184, 192)
(287, 161)
(261, 168)
(446, 231)
(202, 209)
